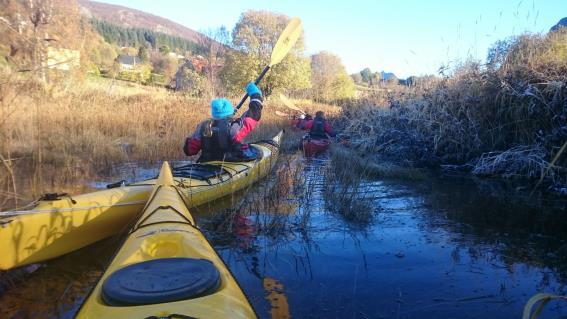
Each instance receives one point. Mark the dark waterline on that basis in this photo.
(444, 247)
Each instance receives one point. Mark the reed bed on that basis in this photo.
(273, 208)
(369, 166)
(53, 136)
(60, 136)
(504, 118)
(344, 191)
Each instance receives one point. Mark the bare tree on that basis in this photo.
(215, 42)
(41, 13)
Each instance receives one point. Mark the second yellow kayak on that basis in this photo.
(60, 224)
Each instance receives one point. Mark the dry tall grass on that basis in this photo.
(344, 191)
(56, 136)
(482, 118)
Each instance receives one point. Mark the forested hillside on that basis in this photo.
(136, 37)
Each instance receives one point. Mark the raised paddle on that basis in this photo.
(285, 42)
(289, 104)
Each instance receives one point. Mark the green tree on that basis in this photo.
(143, 54)
(150, 37)
(107, 55)
(165, 65)
(375, 78)
(141, 74)
(392, 80)
(329, 78)
(164, 49)
(343, 86)
(102, 55)
(366, 75)
(129, 51)
(135, 37)
(253, 38)
(193, 84)
(356, 77)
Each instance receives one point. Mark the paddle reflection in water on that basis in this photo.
(277, 299)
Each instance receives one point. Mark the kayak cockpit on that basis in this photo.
(161, 280)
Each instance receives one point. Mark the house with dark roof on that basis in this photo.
(561, 24)
(128, 62)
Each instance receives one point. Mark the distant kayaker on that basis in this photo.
(297, 122)
(220, 138)
(318, 127)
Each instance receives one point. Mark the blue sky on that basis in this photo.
(407, 37)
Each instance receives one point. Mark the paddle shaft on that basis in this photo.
(258, 79)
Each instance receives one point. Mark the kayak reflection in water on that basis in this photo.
(220, 138)
(244, 229)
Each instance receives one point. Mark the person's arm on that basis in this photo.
(246, 124)
(329, 129)
(192, 144)
(306, 125)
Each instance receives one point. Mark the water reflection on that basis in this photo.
(132, 172)
(55, 289)
(277, 299)
(440, 248)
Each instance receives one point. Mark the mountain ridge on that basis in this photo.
(133, 18)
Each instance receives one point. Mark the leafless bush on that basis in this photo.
(518, 161)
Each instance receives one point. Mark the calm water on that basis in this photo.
(445, 247)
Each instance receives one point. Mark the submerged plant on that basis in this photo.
(344, 192)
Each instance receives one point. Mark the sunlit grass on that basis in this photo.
(56, 137)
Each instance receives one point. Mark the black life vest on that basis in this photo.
(216, 146)
(318, 128)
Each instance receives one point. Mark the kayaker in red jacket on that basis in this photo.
(296, 121)
(318, 127)
(300, 121)
(220, 138)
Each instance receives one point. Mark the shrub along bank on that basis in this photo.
(507, 117)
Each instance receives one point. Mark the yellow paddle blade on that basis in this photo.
(165, 175)
(286, 41)
(289, 104)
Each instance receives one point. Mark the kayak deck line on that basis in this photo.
(179, 180)
(231, 175)
(143, 221)
(11, 213)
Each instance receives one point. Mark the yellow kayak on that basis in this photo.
(166, 268)
(58, 224)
